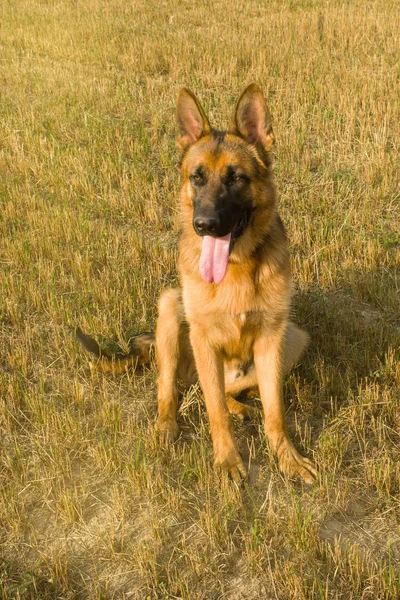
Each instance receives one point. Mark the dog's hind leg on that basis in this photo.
(239, 409)
(242, 383)
(296, 341)
(167, 355)
(174, 360)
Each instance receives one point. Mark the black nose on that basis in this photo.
(206, 225)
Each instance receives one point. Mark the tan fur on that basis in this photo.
(237, 331)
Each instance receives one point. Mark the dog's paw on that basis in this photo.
(240, 410)
(167, 430)
(231, 462)
(293, 464)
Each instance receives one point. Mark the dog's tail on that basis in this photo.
(139, 353)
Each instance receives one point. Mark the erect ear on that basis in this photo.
(252, 120)
(192, 121)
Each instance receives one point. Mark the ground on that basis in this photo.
(91, 506)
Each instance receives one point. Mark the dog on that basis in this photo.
(228, 324)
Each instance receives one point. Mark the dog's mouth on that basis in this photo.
(239, 229)
(215, 251)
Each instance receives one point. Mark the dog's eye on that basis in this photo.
(196, 178)
(234, 179)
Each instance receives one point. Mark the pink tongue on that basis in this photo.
(214, 258)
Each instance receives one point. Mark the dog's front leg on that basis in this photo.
(269, 362)
(210, 368)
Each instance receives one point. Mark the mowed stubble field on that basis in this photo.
(91, 507)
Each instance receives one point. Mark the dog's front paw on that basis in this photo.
(230, 461)
(168, 430)
(293, 464)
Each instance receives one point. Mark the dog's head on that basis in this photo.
(226, 176)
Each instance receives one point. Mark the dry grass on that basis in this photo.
(90, 506)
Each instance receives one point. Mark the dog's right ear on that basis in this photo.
(192, 121)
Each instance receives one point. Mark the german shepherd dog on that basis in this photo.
(228, 325)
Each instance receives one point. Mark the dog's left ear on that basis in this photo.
(252, 119)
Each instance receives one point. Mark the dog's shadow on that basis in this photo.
(354, 328)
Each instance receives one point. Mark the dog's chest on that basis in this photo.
(241, 319)
(239, 333)
(208, 299)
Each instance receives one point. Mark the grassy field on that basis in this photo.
(90, 506)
